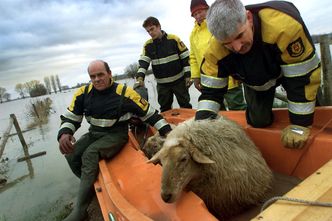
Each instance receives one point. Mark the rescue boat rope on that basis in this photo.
(307, 202)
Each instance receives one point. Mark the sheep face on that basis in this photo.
(153, 145)
(181, 164)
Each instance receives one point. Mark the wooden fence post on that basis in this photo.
(6, 136)
(324, 41)
(24, 145)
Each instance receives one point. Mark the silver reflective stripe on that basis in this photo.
(68, 125)
(166, 60)
(150, 112)
(209, 106)
(185, 54)
(300, 69)
(265, 86)
(301, 108)
(145, 58)
(186, 68)
(102, 122)
(141, 70)
(213, 82)
(170, 79)
(71, 116)
(161, 123)
(125, 117)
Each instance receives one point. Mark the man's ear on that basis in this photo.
(250, 17)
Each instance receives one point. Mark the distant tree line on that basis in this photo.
(35, 88)
(52, 84)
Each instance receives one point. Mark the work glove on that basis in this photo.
(295, 136)
(139, 82)
(189, 82)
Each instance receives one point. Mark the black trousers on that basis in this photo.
(259, 106)
(166, 92)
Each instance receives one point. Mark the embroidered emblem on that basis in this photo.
(143, 101)
(296, 48)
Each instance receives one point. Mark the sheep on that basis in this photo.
(217, 161)
(152, 145)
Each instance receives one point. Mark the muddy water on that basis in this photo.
(41, 188)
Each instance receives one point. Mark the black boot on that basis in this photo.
(85, 195)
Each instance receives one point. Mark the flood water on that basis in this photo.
(40, 190)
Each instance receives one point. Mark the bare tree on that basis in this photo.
(53, 83)
(2, 93)
(131, 70)
(58, 82)
(47, 82)
(20, 89)
(6, 96)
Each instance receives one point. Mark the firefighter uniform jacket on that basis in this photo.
(199, 41)
(282, 53)
(101, 110)
(169, 57)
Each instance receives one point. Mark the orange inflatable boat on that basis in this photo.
(129, 189)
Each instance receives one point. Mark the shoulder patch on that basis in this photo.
(143, 102)
(296, 48)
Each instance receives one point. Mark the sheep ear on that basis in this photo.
(200, 158)
(155, 159)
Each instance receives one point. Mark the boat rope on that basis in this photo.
(307, 202)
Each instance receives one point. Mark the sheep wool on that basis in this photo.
(216, 160)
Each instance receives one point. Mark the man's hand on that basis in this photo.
(140, 82)
(295, 136)
(66, 142)
(189, 82)
(197, 83)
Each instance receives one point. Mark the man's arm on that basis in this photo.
(214, 84)
(143, 65)
(70, 121)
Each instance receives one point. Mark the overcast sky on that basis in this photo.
(40, 38)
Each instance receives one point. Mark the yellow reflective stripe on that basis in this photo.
(165, 60)
(186, 68)
(71, 116)
(301, 68)
(150, 112)
(170, 79)
(213, 82)
(145, 58)
(141, 70)
(185, 54)
(265, 86)
(160, 123)
(68, 125)
(208, 105)
(301, 108)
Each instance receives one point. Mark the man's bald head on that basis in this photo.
(100, 74)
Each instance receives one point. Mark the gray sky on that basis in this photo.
(60, 37)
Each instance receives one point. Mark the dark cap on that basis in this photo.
(196, 5)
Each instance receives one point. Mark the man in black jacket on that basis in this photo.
(263, 45)
(170, 65)
(107, 106)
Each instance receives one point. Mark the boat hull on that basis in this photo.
(129, 189)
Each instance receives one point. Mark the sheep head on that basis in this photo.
(153, 145)
(181, 163)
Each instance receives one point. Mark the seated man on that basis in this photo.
(107, 106)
